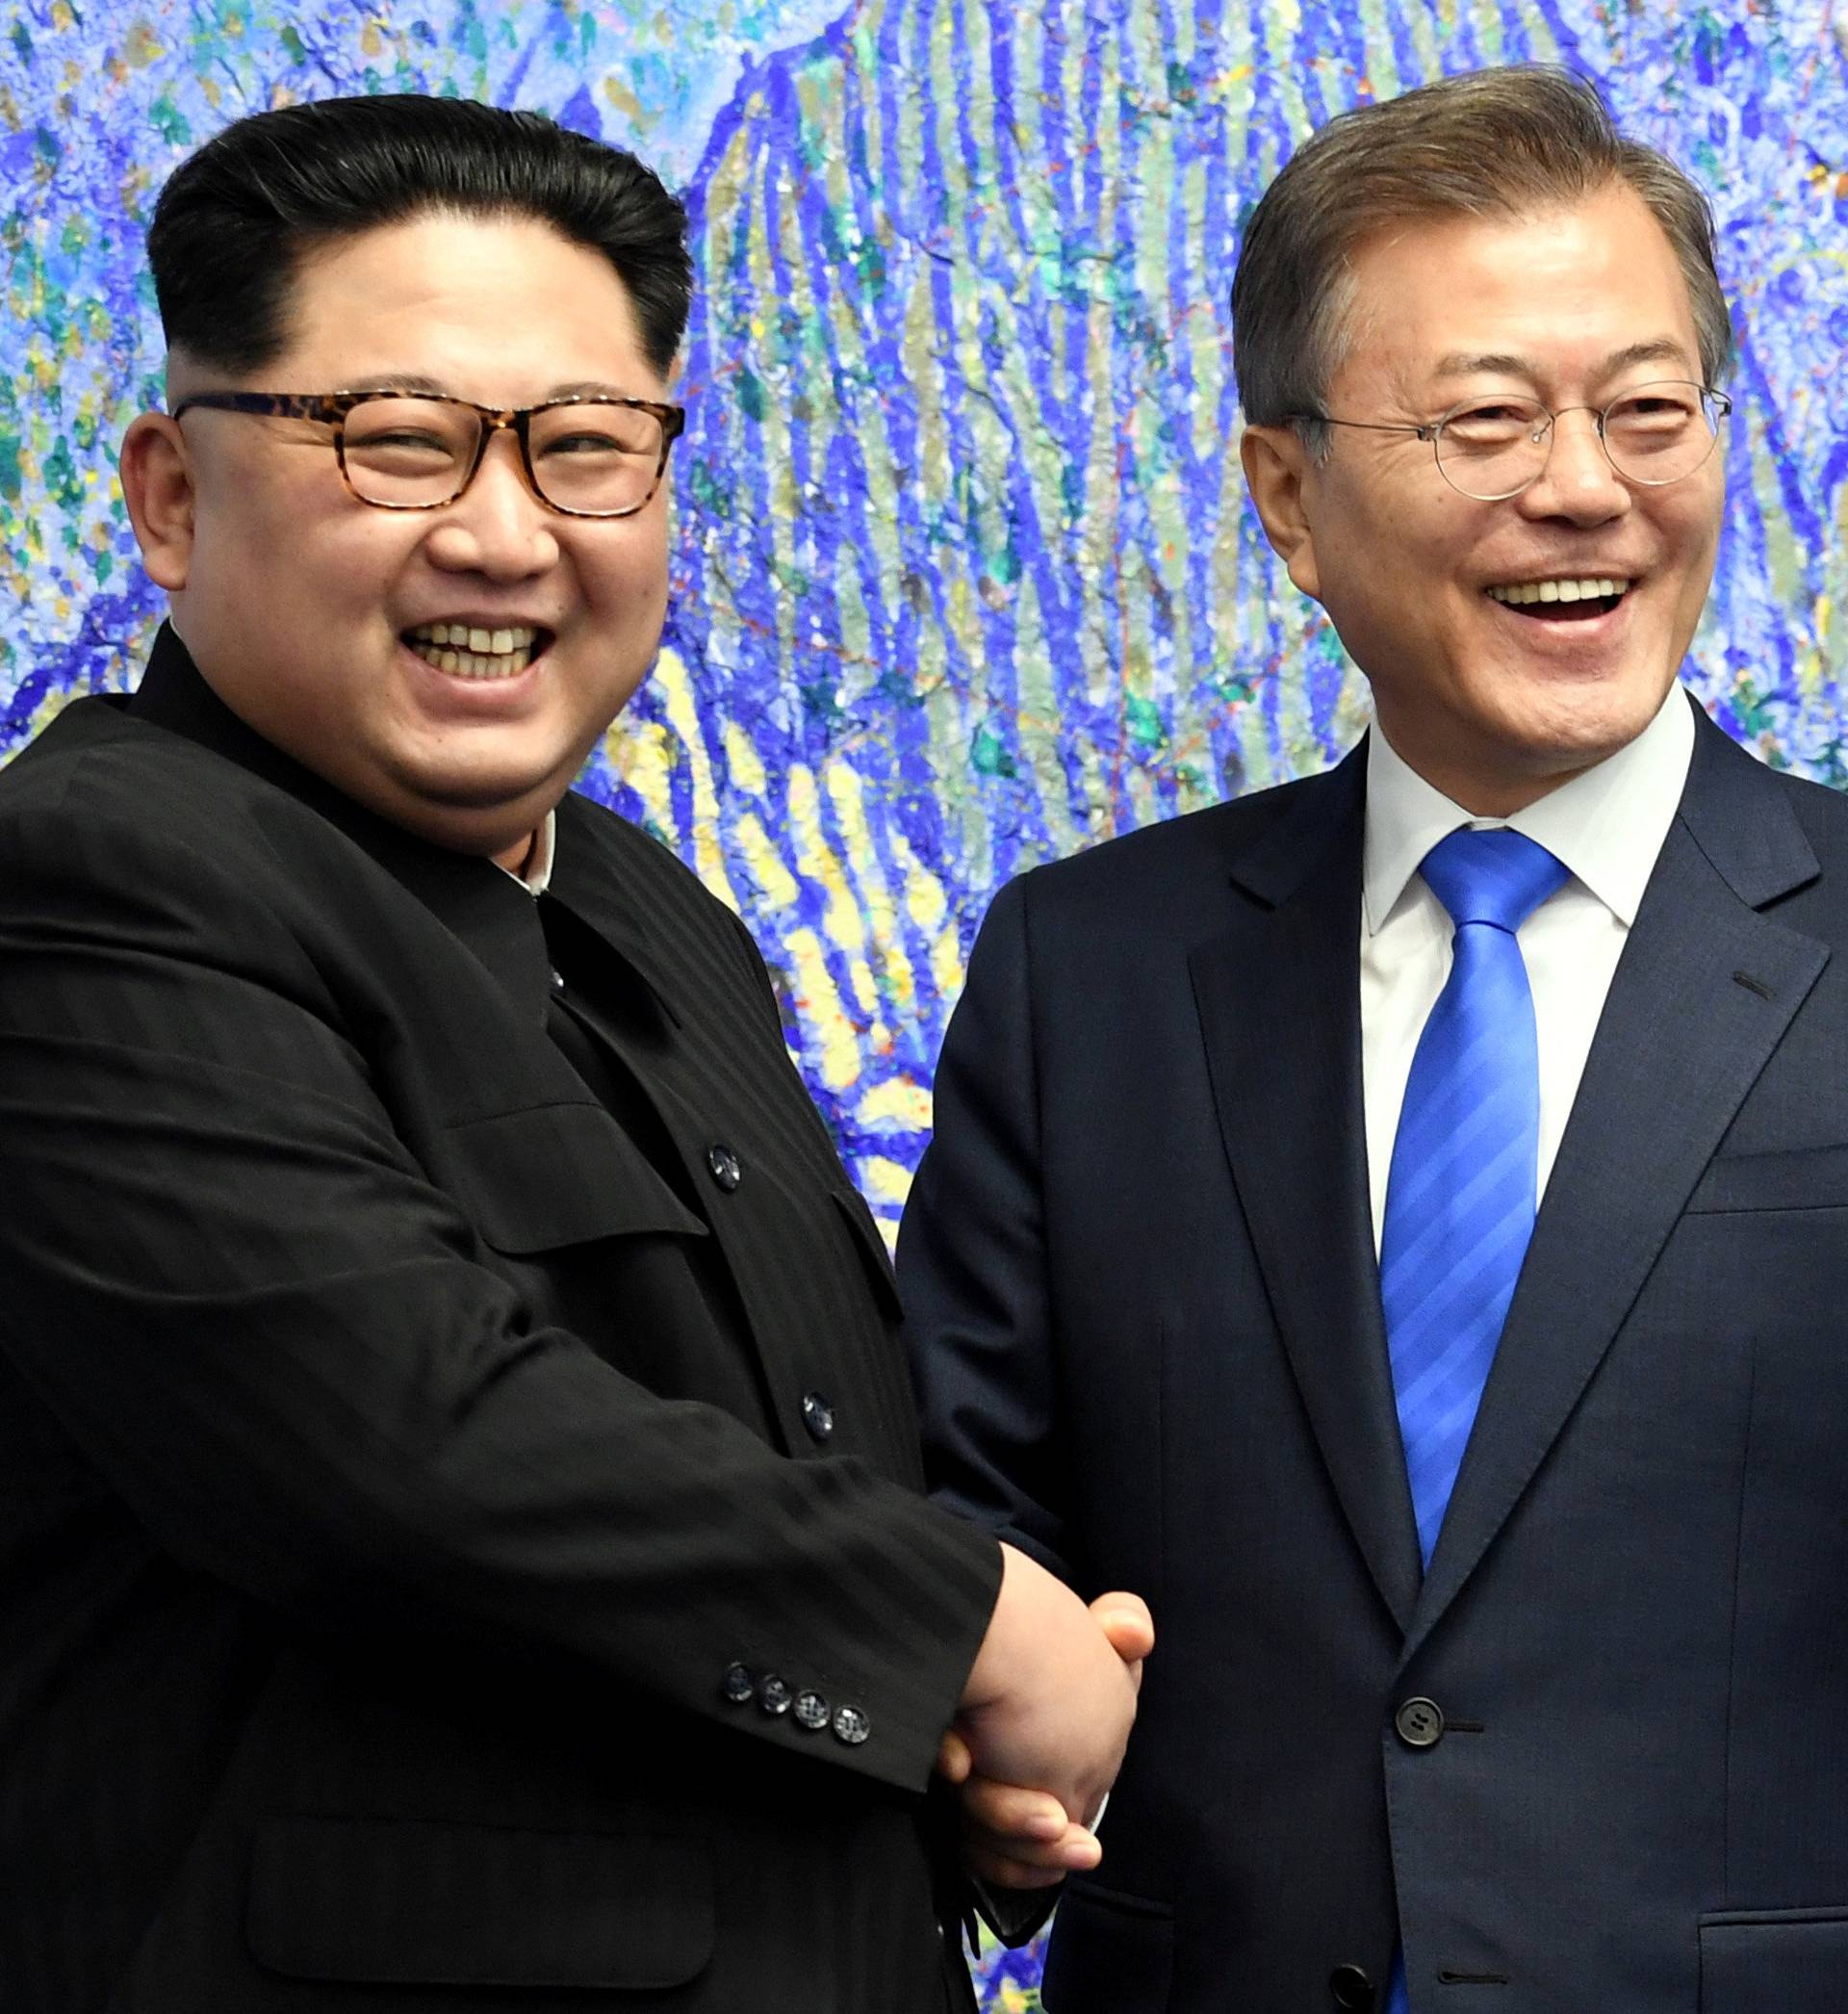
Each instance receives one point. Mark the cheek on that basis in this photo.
(626, 582)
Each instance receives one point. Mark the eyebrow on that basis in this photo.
(1664, 350)
(415, 381)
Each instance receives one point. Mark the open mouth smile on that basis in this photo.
(470, 651)
(1564, 598)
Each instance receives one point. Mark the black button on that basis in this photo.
(1420, 1724)
(1353, 1990)
(557, 980)
(811, 1712)
(739, 1686)
(772, 1693)
(851, 1725)
(817, 1415)
(724, 1165)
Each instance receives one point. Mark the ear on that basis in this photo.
(1276, 470)
(158, 486)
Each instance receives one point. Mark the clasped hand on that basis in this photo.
(1040, 1734)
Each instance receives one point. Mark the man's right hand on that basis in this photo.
(1044, 1720)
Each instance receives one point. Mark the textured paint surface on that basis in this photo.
(964, 578)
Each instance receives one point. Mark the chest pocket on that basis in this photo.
(550, 1176)
(1804, 1178)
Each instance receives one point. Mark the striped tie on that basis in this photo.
(1459, 1200)
(1460, 1197)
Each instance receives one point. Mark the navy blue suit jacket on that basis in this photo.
(1140, 1280)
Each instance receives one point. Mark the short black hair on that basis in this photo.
(235, 219)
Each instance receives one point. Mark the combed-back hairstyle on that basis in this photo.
(235, 219)
(1495, 143)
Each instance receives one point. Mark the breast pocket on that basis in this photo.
(1793, 1961)
(1804, 1178)
(551, 1176)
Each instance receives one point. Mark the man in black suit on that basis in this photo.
(1500, 1554)
(461, 1541)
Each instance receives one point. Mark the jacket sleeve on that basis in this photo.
(973, 1274)
(972, 1261)
(247, 1303)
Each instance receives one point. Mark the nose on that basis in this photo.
(497, 527)
(1579, 483)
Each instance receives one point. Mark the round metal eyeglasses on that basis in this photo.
(590, 457)
(1492, 449)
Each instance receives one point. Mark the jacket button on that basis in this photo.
(1419, 1723)
(723, 1165)
(817, 1415)
(851, 1725)
(811, 1712)
(739, 1686)
(772, 1693)
(1351, 1990)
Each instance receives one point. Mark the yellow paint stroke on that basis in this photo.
(836, 1040)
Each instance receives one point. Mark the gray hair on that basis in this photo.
(1501, 142)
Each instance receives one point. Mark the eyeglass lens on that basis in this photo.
(1656, 434)
(595, 457)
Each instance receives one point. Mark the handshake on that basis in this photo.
(1041, 1730)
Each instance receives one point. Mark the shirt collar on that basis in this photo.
(1607, 825)
(535, 876)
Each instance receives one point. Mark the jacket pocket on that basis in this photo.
(1805, 1178)
(1794, 1961)
(852, 1205)
(549, 1175)
(404, 1903)
(1108, 1949)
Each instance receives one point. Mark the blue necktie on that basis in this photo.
(1460, 1196)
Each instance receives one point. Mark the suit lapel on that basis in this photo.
(1702, 996)
(1278, 997)
(597, 898)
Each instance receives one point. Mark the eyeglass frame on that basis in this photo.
(1431, 430)
(331, 408)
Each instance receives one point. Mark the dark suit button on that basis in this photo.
(724, 1166)
(739, 1686)
(1420, 1724)
(772, 1693)
(1353, 1990)
(811, 1712)
(817, 1415)
(557, 980)
(851, 1725)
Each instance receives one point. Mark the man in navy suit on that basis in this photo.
(1399, 1221)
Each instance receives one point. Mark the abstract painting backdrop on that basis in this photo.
(963, 577)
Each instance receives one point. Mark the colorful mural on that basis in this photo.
(964, 575)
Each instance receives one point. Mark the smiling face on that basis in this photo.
(1494, 687)
(316, 617)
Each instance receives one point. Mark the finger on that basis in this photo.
(1074, 1849)
(1007, 1811)
(1124, 1618)
(1033, 1867)
(953, 1762)
(1000, 1873)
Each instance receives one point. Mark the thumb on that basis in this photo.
(1126, 1623)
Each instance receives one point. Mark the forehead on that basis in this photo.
(1555, 294)
(500, 309)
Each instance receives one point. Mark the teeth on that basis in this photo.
(496, 663)
(461, 636)
(467, 652)
(1521, 594)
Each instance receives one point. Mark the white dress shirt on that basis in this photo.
(536, 875)
(1605, 826)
